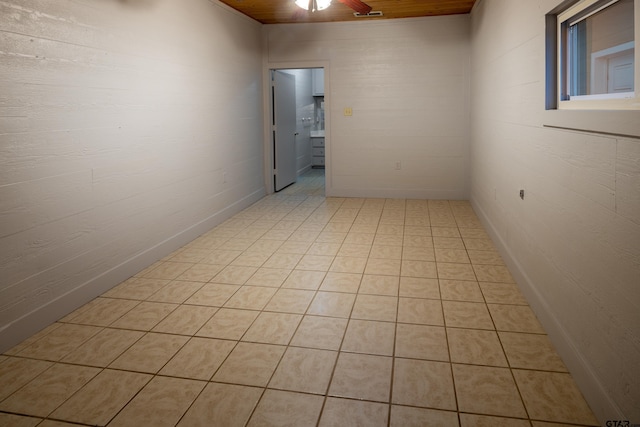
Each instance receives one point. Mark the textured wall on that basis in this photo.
(118, 120)
(407, 83)
(574, 241)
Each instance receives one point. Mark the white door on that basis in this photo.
(284, 129)
(621, 73)
(612, 69)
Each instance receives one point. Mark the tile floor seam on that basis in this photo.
(129, 401)
(446, 337)
(393, 359)
(75, 393)
(326, 394)
(335, 365)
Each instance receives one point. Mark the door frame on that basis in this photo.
(267, 109)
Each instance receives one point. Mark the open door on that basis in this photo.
(283, 93)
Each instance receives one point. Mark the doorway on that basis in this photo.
(297, 122)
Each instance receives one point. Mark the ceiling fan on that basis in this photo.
(312, 5)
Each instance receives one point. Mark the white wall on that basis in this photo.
(304, 110)
(117, 121)
(407, 83)
(574, 241)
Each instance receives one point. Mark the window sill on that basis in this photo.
(619, 122)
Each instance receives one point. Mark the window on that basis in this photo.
(595, 55)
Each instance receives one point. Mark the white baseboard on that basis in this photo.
(30, 323)
(583, 374)
(304, 170)
(394, 193)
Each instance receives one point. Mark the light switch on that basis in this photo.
(348, 111)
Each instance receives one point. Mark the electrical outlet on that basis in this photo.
(348, 111)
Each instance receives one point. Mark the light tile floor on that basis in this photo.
(304, 311)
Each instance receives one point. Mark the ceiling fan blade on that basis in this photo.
(357, 5)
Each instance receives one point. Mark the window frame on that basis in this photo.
(557, 74)
(625, 123)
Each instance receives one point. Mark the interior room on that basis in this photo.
(459, 244)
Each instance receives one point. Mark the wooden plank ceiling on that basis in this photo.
(285, 11)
